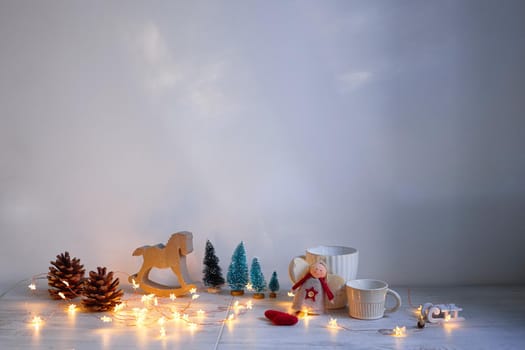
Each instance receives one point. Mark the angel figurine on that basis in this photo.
(311, 290)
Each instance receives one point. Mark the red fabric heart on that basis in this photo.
(270, 314)
(280, 318)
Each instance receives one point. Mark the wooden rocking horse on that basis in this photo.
(172, 255)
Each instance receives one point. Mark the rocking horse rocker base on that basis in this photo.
(159, 289)
(173, 256)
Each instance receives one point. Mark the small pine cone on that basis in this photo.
(65, 276)
(101, 291)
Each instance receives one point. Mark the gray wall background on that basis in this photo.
(396, 127)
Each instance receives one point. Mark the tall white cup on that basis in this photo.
(366, 299)
(339, 260)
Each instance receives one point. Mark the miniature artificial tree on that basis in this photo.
(212, 278)
(274, 285)
(237, 276)
(257, 279)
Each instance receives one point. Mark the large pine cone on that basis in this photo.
(101, 291)
(66, 276)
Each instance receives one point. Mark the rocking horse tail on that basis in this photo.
(138, 251)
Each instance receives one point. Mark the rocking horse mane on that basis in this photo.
(178, 241)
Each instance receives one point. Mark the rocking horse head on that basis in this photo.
(182, 241)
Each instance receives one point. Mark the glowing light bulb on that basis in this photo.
(37, 322)
(118, 307)
(231, 317)
(32, 286)
(156, 301)
(185, 317)
(304, 311)
(148, 297)
(195, 296)
(135, 285)
(237, 307)
(140, 315)
(249, 286)
(291, 294)
(249, 305)
(172, 297)
(200, 313)
(176, 315)
(192, 326)
(106, 319)
(162, 332)
(333, 323)
(418, 311)
(161, 321)
(447, 317)
(72, 309)
(193, 290)
(399, 331)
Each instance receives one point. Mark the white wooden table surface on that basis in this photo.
(494, 319)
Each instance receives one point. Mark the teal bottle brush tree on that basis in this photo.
(237, 276)
(274, 285)
(257, 279)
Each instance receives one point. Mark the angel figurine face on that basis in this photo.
(318, 270)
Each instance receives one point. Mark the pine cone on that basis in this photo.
(100, 291)
(66, 276)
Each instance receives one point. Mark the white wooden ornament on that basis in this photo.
(441, 312)
(173, 256)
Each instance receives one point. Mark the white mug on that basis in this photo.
(366, 299)
(339, 260)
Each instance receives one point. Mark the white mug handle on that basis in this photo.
(396, 297)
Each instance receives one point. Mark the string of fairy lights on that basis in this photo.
(148, 310)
